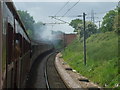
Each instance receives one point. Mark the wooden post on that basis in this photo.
(84, 37)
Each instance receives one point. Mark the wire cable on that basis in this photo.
(62, 7)
(71, 7)
(60, 11)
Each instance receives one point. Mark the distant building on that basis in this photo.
(63, 39)
(68, 38)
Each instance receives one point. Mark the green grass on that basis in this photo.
(102, 58)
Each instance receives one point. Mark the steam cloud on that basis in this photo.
(43, 33)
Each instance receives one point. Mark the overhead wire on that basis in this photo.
(62, 7)
(71, 8)
(67, 10)
(61, 10)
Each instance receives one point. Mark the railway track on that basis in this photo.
(44, 74)
(53, 80)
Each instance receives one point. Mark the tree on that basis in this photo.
(108, 21)
(28, 21)
(116, 26)
(74, 24)
(77, 24)
(91, 28)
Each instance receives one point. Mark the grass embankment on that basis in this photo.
(102, 58)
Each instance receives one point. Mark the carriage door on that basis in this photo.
(9, 61)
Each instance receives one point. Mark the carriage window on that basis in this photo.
(9, 43)
(18, 45)
(24, 47)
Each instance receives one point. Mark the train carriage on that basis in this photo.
(0, 48)
(14, 48)
(17, 53)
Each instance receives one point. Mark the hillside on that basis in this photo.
(102, 59)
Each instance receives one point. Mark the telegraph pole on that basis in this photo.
(63, 38)
(84, 37)
(99, 24)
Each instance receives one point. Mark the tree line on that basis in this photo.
(29, 23)
(111, 22)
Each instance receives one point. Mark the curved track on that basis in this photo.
(44, 74)
(53, 78)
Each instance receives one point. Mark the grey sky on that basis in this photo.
(42, 10)
(66, 0)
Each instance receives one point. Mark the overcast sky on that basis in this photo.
(42, 10)
(65, 0)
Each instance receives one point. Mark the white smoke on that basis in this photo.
(43, 33)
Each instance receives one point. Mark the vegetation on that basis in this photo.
(108, 21)
(74, 24)
(102, 51)
(32, 28)
(77, 24)
(111, 21)
(116, 26)
(28, 21)
(102, 58)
